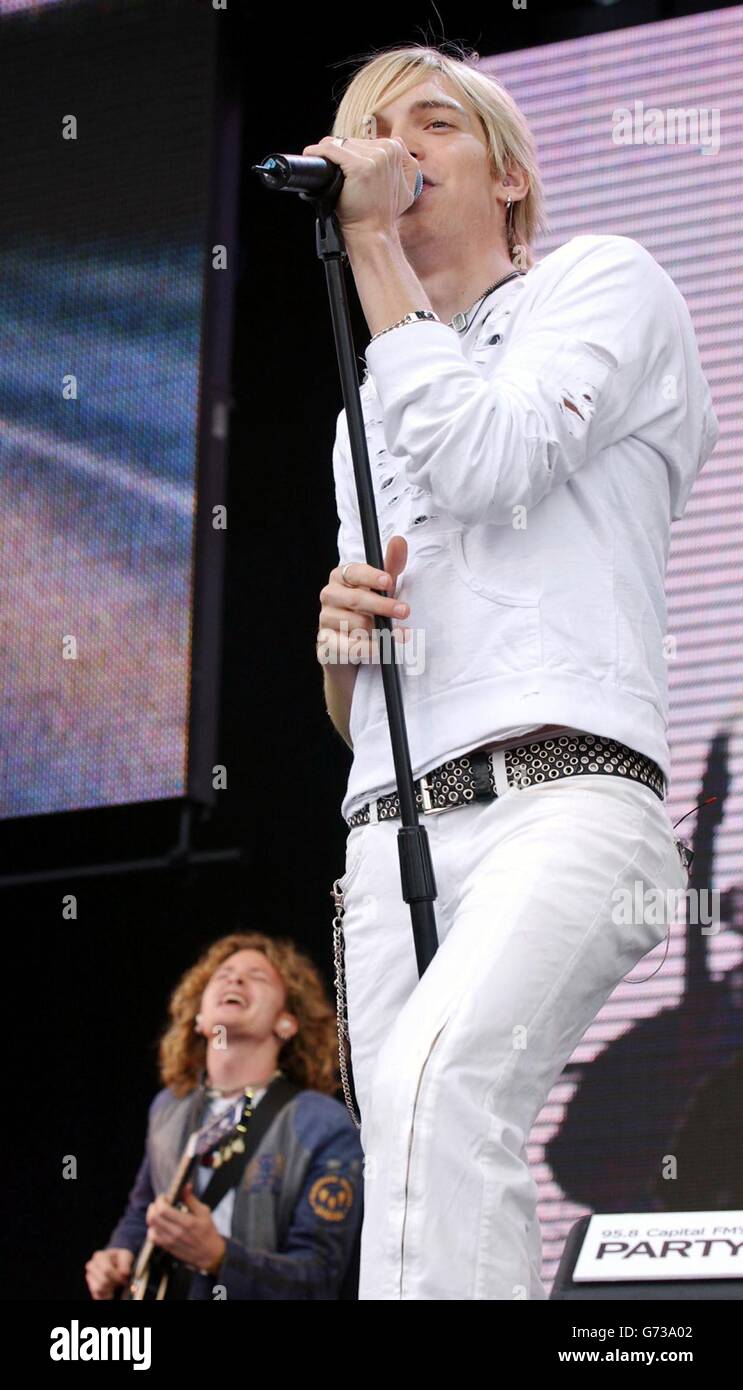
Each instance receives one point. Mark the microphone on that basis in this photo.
(309, 175)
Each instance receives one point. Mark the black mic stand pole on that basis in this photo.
(416, 867)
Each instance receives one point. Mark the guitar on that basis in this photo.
(154, 1267)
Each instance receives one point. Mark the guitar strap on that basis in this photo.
(229, 1174)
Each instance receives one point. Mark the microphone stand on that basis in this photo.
(416, 868)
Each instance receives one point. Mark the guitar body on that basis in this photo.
(151, 1276)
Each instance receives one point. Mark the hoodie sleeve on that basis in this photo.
(130, 1232)
(131, 1229)
(608, 352)
(325, 1223)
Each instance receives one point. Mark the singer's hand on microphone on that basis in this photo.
(378, 181)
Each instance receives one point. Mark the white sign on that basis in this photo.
(661, 1245)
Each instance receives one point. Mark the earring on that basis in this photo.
(197, 1023)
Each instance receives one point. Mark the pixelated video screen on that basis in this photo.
(660, 1072)
(104, 165)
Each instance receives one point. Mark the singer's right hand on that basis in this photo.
(379, 179)
(348, 606)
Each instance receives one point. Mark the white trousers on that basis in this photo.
(451, 1070)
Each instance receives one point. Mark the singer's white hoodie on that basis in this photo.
(534, 463)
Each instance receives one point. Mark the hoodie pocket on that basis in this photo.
(482, 585)
(509, 621)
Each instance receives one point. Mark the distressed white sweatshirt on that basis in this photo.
(534, 464)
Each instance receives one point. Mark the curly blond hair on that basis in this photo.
(389, 73)
(310, 1058)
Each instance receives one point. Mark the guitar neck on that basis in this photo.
(180, 1178)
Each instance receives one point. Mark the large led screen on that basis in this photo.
(102, 245)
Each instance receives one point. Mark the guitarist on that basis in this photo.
(250, 1015)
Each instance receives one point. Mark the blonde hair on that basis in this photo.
(310, 1058)
(393, 71)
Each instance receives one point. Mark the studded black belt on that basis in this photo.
(472, 778)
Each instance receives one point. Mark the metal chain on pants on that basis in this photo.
(344, 1041)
